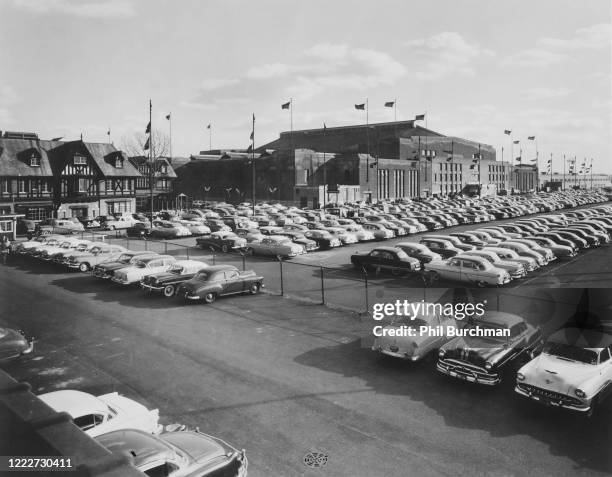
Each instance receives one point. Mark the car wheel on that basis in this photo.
(481, 284)
(210, 297)
(169, 291)
(224, 248)
(254, 289)
(396, 272)
(84, 267)
(112, 227)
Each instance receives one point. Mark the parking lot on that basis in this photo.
(282, 378)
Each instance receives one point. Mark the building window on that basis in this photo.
(119, 163)
(127, 184)
(163, 169)
(5, 186)
(82, 185)
(21, 186)
(6, 226)
(34, 161)
(80, 161)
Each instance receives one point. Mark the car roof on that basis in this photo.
(75, 403)
(154, 257)
(584, 337)
(221, 268)
(387, 249)
(142, 447)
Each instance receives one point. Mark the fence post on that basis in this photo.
(243, 261)
(322, 286)
(146, 245)
(187, 248)
(212, 250)
(365, 276)
(166, 248)
(280, 262)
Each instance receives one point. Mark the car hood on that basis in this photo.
(555, 374)
(123, 405)
(404, 343)
(12, 342)
(474, 350)
(166, 277)
(200, 447)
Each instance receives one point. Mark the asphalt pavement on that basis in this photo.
(282, 378)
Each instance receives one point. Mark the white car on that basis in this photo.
(574, 371)
(122, 222)
(44, 252)
(143, 267)
(195, 227)
(85, 261)
(99, 415)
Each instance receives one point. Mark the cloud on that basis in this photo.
(198, 105)
(534, 58)
(79, 8)
(535, 94)
(272, 70)
(211, 84)
(548, 51)
(445, 53)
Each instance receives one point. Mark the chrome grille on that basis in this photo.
(551, 395)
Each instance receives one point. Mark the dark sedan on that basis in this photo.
(419, 251)
(167, 282)
(392, 259)
(220, 280)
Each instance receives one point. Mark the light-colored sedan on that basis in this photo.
(362, 234)
(85, 261)
(467, 269)
(515, 269)
(275, 245)
(391, 340)
(195, 227)
(99, 415)
(379, 230)
(143, 267)
(45, 252)
(529, 263)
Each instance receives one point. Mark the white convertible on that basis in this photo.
(574, 371)
(143, 267)
(102, 414)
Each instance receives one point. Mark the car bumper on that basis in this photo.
(121, 281)
(553, 400)
(467, 374)
(151, 288)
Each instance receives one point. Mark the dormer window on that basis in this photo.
(34, 161)
(80, 161)
(119, 163)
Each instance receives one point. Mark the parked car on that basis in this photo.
(418, 346)
(558, 250)
(452, 239)
(535, 247)
(514, 268)
(120, 222)
(275, 245)
(22, 248)
(60, 226)
(143, 266)
(59, 255)
(164, 229)
(529, 263)
(13, 344)
(392, 259)
(195, 227)
(442, 247)
(324, 239)
(139, 229)
(220, 280)
(89, 223)
(44, 252)
(484, 359)
(467, 269)
(299, 238)
(177, 454)
(98, 415)
(419, 251)
(106, 270)
(85, 248)
(167, 282)
(84, 261)
(380, 231)
(574, 371)
(224, 241)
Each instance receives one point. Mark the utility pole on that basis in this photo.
(253, 163)
(151, 168)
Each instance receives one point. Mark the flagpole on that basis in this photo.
(291, 119)
(368, 143)
(324, 166)
(170, 126)
(253, 163)
(395, 109)
(551, 168)
(210, 137)
(109, 135)
(151, 157)
(591, 168)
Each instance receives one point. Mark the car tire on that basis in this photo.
(84, 267)
(169, 291)
(254, 288)
(210, 297)
(224, 248)
(112, 227)
(481, 284)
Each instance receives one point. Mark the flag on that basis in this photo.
(389, 104)
(108, 133)
(519, 159)
(148, 130)
(286, 105)
(533, 160)
(531, 138)
(516, 142)
(252, 135)
(146, 146)
(476, 155)
(250, 149)
(253, 117)
(507, 131)
(324, 128)
(57, 138)
(449, 158)
(168, 116)
(419, 117)
(549, 161)
(208, 127)
(360, 106)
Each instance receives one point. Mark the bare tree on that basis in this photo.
(134, 145)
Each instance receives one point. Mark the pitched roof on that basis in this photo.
(15, 158)
(104, 156)
(140, 160)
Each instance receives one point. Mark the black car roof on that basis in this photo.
(219, 268)
(143, 447)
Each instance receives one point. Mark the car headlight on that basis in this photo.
(520, 377)
(580, 393)
(488, 366)
(441, 353)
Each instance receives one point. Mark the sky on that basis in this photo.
(474, 67)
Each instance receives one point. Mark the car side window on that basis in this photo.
(89, 421)
(605, 355)
(518, 329)
(454, 263)
(163, 470)
(231, 275)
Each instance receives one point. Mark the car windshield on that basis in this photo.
(140, 264)
(124, 258)
(203, 275)
(489, 326)
(177, 269)
(402, 255)
(573, 353)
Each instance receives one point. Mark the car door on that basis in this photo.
(233, 283)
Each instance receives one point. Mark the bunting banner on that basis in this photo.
(208, 127)
(516, 142)
(531, 138)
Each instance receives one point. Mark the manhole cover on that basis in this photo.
(315, 459)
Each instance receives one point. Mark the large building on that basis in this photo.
(560, 181)
(163, 176)
(363, 162)
(43, 179)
